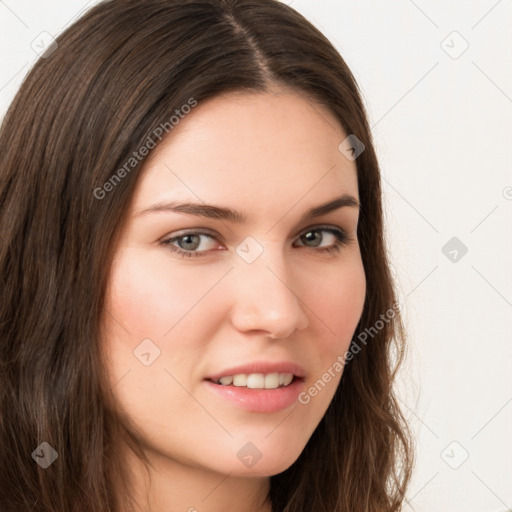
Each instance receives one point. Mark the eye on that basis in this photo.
(187, 243)
(340, 237)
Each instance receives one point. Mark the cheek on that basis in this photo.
(161, 309)
(152, 298)
(151, 310)
(338, 302)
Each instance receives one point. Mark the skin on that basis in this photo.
(271, 156)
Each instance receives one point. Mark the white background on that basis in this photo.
(442, 122)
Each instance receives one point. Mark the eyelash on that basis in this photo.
(342, 239)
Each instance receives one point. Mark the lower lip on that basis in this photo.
(259, 400)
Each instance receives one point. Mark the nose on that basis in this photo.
(264, 299)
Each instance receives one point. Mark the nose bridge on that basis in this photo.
(265, 298)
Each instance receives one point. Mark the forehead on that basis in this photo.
(246, 149)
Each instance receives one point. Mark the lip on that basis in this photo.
(259, 400)
(261, 367)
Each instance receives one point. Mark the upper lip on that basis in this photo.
(261, 367)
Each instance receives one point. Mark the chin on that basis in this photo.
(267, 462)
(261, 469)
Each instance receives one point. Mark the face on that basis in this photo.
(192, 298)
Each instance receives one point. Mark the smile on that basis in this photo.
(257, 380)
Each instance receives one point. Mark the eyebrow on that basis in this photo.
(220, 212)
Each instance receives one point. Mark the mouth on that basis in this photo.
(257, 380)
(249, 392)
(258, 386)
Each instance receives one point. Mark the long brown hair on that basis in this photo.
(84, 109)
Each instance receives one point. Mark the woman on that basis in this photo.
(197, 309)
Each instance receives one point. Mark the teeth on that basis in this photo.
(240, 380)
(288, 377)
(257, 380)
(272, 381)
